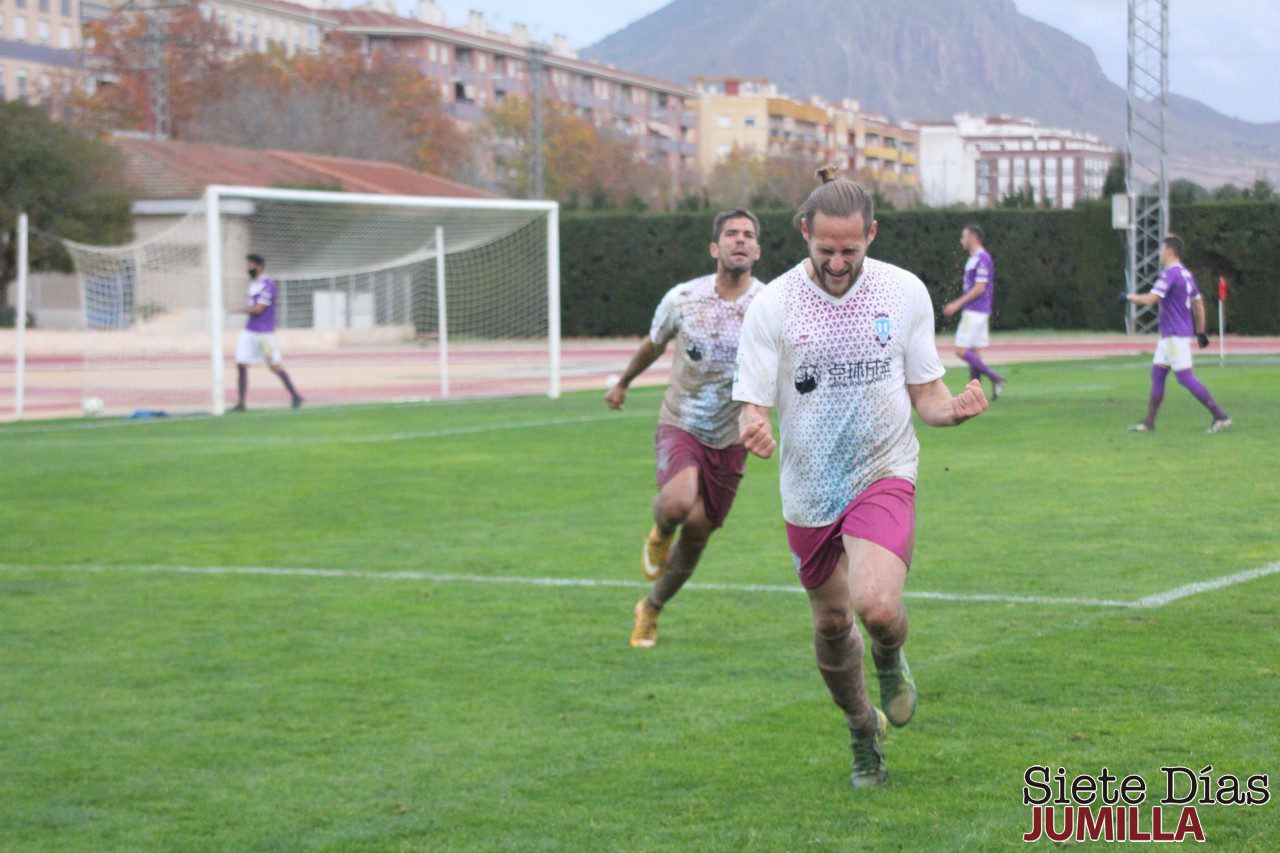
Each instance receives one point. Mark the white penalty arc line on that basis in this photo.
(1146, 603)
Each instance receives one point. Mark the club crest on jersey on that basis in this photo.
(884, 328)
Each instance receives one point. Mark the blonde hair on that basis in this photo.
(835, 197)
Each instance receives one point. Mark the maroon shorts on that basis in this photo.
(883, 513)
(719, 471)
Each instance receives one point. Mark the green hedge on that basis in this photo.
(1055, 269)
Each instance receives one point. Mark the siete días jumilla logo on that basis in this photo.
(1107, 807)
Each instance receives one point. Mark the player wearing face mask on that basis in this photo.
(257, 343)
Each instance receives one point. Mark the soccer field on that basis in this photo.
(406, 626)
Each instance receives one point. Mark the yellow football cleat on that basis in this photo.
(657, 548)
(645, 634)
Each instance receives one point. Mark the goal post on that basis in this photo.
(379, 298)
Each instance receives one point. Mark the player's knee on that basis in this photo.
(675, 506)
(880, 612)
(833, 623)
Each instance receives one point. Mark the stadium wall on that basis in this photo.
(1055, 269)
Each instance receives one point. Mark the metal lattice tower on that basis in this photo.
(158, 68)
(1147, 153)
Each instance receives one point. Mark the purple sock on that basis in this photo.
(978, 368)
(1187, 379)
(1159, 373)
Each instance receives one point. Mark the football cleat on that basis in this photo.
(1220, 425)
(869, 768)
(645, 634)
(1141, 428)
(997, 388)
(657, 548)
(898, 694)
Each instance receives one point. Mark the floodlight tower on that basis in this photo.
(1147, 184)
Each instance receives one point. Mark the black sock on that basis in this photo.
(284, 377)
(242, 383)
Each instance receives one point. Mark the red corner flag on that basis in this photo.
(1222, 289)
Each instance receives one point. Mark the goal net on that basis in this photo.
(379, 298)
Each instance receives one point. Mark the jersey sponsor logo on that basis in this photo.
(884, 328)
(693, 351)
(842, 374)
(806, 377)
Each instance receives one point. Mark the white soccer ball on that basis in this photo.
(93, 406)
(610, 381)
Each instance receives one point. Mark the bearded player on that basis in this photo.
(843, 346)
(1181, 315)
(700, 461)
(257, 344)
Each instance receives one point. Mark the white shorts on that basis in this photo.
(972, 332)
(1175, 353)
(257, 348)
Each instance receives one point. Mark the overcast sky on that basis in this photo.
(1225, 53)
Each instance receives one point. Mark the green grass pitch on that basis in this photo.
(143, 707)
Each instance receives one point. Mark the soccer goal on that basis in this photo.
(379, 298)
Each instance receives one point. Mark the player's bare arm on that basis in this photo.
(252, 310)
(1147, 299)
(757, 430)
(956, 305)
(640, 362)
(936, 407)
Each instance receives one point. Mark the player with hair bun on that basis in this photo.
(843, 346)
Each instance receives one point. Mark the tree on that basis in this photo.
(1183, 191)
(70, 184)
(196, 54)
(341, 102)
(1261, 190)
(584, 167)
(1115, 181)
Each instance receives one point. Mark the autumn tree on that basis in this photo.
(585, 167)
(340, 102)
(196, 52)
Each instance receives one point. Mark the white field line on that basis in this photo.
(301, 441)
(1162, 598)
(1147, 602)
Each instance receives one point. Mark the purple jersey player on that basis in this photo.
(974, 306)
(1181, 321)
(257, 344)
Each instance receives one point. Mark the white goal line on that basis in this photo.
(1145, 603)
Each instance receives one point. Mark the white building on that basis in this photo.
(977, 160)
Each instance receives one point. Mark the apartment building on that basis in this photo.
(978, 160)
(750, 115)
(478, 66)
(887, 153)
(39, 46)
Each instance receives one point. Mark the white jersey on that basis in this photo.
(837, 370)
(706, 329)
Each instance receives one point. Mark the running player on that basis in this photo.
(974, 306)
(700, 461)
(843, 346)
(257, 344)
(1180, 301)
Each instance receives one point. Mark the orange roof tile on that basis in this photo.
(172, 170)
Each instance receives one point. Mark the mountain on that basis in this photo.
(929, 59)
